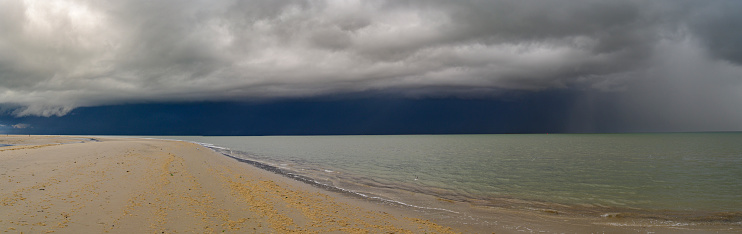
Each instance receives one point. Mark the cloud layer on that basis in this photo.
(56, 55)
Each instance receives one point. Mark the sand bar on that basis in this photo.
(117, 185)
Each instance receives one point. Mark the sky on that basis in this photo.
(272, 67)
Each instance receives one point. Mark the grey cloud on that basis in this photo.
(717, 25)
(685, 90)
(62, 54)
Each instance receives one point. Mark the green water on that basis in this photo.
(685, 172)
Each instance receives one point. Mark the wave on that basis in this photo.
(311, 181)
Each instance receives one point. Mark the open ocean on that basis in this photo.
(677, 177)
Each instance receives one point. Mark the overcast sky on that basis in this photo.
(660, 65)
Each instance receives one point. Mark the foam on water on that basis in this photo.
(282, 171)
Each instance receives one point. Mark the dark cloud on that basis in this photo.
(311, 116)
(58, 55)
(715, 25)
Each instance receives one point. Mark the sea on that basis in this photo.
(680, 179)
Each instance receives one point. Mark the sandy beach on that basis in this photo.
(94, 185)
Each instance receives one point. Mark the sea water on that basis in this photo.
(691, 176)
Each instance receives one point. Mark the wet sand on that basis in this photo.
(118, 185)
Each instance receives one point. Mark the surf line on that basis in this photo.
(229, 153)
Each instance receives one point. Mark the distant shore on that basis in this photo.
(123, 185)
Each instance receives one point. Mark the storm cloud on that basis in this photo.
(654, 57)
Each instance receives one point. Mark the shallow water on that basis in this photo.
(681, 176)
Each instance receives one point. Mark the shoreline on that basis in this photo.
(122, 185)
(315, 183)
(549, 215)
(240, 196)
